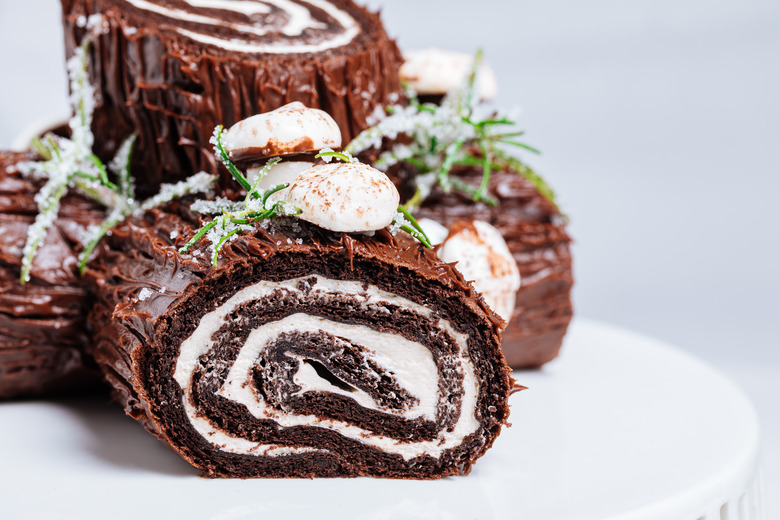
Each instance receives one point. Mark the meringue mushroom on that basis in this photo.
(284, 172)
(435, 232)
(345, 197)
(483, 257)
(437, 71)
(291, 129)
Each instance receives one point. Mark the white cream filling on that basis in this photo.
(299, 19)
(411, 363)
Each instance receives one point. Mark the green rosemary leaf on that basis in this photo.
(332, 153)
(253, 190)
(496, 137)
(123, 160)
(107, 224)
(472, 192)
(71, 162)
(418, 235)
(414, 202)
(521, 145)
(273, 190)
(418, 164)
(198, 183)
(469, 160)
(102, 171)
(486, 162)
(496, 122)
(194, 240)
(218, 245)
(444, 172)
(415, 230)
(87, 176)
(471, 84)
(223, 156)
(327, 154)
(54, 148)
(40, 148)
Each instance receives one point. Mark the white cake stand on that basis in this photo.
(620, 427)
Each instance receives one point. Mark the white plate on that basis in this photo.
(621, 426)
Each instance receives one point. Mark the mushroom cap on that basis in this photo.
(293, 128)
(437, 71)
(345, 197)
(483, 257)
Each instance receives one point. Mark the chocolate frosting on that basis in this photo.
(172, 90)
(42, 323)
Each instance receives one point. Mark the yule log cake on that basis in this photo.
(536, 235)
(304, 353)
(310, 338)
(170, 71)
(448, 154)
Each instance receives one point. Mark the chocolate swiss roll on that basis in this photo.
(535, 233)
(170, 71)
(43, 322)
(304, 353)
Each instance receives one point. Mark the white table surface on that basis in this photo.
(660, 124)
(622, 427)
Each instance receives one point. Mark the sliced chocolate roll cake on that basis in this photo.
(43, 322)
(303, 353)
(171, 70)
(535, 233)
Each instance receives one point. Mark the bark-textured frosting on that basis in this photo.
(170, 71)
(536, 236)
(42, 323)
(302, 354)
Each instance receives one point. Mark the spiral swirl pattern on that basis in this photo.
(279, 27)
(368, 382)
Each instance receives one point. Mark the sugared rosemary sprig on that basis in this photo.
(68, 163)
(236, 217)
(443, 137)
(406, 222)
(71, 164)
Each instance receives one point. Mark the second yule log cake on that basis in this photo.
(535, 233)
(170, 71)
(43, 321)
(446, 151)
(299, 336)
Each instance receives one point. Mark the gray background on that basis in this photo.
(660, 127)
